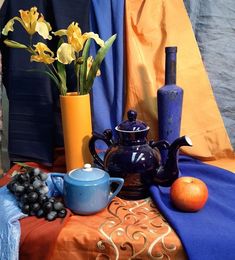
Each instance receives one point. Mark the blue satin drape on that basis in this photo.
(106, 19)
(208, 234)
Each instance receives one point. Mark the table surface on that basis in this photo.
(124, 230)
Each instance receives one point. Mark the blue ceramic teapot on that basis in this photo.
(87, 190)
(137, 160)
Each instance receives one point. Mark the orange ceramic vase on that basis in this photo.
(77, 129)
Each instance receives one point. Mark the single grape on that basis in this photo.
(37, 171)
(40, 213)
(43, 176)
(25, 208)
(19, 190)
(15, 185)
(26, 185)
(35, 206)
(42, 198)
(52, 199)
(34, 178)
(24, 198)
(37, 184)
(47, 207)
(32, 196)
(22, 178)
(62, 213)
(43, 190)
(51, 216)
(57, 205)
(27, 176)
(30, 188)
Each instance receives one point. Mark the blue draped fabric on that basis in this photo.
(10, 214)
(106, 19)
(208, 234)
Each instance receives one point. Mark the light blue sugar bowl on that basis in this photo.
(87, 191)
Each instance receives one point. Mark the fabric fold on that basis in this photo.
(10, 214)
(151, 26)
(106, 19)
(209, 233)
(17, 229)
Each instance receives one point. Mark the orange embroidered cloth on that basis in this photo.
(125, 230)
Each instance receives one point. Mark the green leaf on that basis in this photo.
(62, 75)
(48, 74)
(83, 67)
(97, 61)
(23, 164)
(13, 44)
(60, 42)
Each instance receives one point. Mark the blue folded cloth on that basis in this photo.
(10, 213)
(208, 234)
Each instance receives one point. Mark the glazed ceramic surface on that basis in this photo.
(77, 129)
(135, 159)
(169, 102)
(87, 190)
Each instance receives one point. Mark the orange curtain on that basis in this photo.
(150, 27)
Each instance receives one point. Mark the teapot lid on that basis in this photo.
(132, 124)
(87, 173)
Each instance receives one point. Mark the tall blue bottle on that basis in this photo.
(169, 102)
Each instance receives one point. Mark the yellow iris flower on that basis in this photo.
(31, 22)
(89, 64)
(76, 40)
(74, 49)
(42, 54)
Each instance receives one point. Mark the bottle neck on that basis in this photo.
(170, 68)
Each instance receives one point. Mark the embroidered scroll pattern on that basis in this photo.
(134, 230)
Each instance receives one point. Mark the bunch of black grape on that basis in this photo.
(30, 189)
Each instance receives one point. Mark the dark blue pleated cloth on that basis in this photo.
(34, 111)
(208, 234)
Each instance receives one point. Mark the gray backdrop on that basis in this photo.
(213, 22)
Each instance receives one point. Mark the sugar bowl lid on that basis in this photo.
(87, 173)
(132, 124)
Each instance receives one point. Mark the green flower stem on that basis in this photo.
(30, 41)
(53, 67)
(55, 78)
(79, 87)
(53, 73)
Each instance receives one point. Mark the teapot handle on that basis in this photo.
(105, 137)
(120, 182)
(162, 144)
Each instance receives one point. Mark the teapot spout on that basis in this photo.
(168, 173)
(174, 147)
